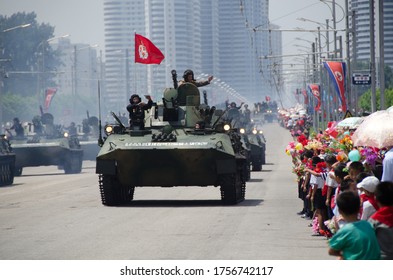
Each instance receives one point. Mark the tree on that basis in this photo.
(23, 51)
(365, 100)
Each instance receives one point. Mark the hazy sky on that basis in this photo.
(83, 19)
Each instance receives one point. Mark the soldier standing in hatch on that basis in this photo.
(137, 109)
(188, 77)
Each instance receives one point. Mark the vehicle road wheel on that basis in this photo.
(73, 163)
(18, 171)
(232, 188)
(112, 192)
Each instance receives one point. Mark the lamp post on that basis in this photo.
(43, 72)
(3, 73)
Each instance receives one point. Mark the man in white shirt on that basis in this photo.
(387, 166)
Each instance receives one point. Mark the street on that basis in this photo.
(47, 215)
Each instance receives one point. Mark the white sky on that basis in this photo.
(83, 19)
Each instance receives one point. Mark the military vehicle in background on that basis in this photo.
(184, 143)
(45, 144)
(257, 144)
(88, 137)
(7, 162)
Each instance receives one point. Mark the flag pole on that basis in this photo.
(135, 83)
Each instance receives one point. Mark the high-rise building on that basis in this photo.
(361, 11)
(210, 37)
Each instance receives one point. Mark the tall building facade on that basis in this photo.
(361, 27)
(78, 74)
(209, 37)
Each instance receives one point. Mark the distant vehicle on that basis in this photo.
(7, 162)
(47, 145)
(257, 143)
(88, 139)
(184, 143)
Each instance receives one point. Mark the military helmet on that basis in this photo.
(188, 72)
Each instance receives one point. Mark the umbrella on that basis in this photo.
(390, 109)
(375, 131)
(350, 123)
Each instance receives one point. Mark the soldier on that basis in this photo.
(188, 77)
(137, 108)
(18, 128)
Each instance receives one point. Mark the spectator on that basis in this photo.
(354, 169)
(356, 240)
(382, 220)
(368, 202)
(387, 166)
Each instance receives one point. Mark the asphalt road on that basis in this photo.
(47, 215)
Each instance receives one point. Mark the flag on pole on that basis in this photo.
(146, 52)
(315, 90)
(49, 93)
(336, 71)
(305, 96)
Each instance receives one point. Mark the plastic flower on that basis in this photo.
(370, 155)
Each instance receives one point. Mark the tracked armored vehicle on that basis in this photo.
(7, 162)
(47, 145)
(184, 143)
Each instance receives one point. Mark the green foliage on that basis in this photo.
(19, 106)
(23, 51)
(365, 99)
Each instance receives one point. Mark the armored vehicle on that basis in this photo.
(45, 144)
(257, 144)
(88, 138)
(7, 162)
(184, 143)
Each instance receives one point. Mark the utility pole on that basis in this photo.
(349, 74)
(372, 59)
(354, 53)
(334, 27)
(381, 55)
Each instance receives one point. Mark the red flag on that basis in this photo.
(146, 52)
(49, 93)
(305, 97)
(317, 94)
(336, 71)
(267, 98)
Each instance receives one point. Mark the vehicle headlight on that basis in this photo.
(108, 129)
(66, 134)
(227, 127)
(242, 131)
(254, 131)
(260, 132)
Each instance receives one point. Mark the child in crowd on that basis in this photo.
(356, 240)
(337, 221)
(330, 183)
(369, 205)
(317, 182)
(354, 169)
(382, 219)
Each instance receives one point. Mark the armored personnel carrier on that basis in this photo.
(45, 144)
(7, 162)
(184, 143)
(88, 138)
(257, 144)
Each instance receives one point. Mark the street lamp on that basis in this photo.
(17, 27)
(42, 44)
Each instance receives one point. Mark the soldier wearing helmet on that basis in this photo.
(188, 77)
(136, 110)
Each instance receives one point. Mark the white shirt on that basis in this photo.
(368, 210)
(330, 182)
(387, 165)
